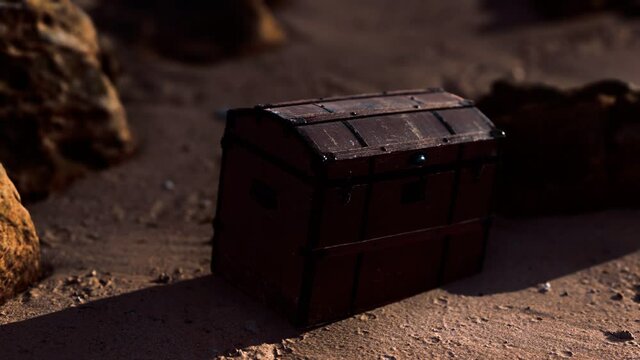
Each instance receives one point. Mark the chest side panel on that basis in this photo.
(262, 223)
(272, 139)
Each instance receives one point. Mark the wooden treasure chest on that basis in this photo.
(333, 206)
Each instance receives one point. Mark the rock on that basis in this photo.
(544, 288)
(617, 296)
(194, 30)
(19, 246)
(169, 185)
(59, 114)
(163, 278)
(567, 150)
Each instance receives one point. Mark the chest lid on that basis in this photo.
(383, 125)
(374, 124)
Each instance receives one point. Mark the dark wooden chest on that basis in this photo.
(333, 206)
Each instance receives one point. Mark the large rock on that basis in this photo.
(567, 150)
(19, 246)
(192, 30)
(59, 113)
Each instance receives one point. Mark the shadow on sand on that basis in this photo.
(507, 14)
(525, 252)
(205, 317)
(195, 319)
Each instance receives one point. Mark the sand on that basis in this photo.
(129, 251)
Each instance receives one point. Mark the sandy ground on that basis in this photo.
(129, 251)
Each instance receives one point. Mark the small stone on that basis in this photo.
(118, 213)
(544, 288)
(93, 273)
(169, 185)
(435, 339)
(617, 296)
(619, 336)
(367, 317)
(162, 279)
(32, 294)
(564, 293)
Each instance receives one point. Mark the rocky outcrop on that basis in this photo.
(567, 150)
(19, 246)
(193, 30)
(59, 114)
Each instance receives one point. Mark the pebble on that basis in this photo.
(32, 294)
(617, 296)
(118, 213)
(169, 185)
(367, 317)
(544, 288)
(205, 203)
(162, 279)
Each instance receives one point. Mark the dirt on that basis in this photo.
(129, 247)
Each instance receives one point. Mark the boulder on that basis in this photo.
(59, 114)
(567, 150)
(192, 30)
(19, 245)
